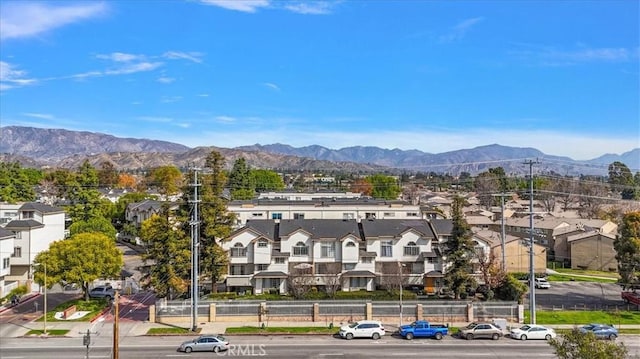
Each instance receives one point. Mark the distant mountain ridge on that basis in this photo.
(65, 148)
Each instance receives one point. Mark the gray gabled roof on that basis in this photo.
(265, 227)
(393, 228)
(442, 226)
(24, 224)
(321, 228)
(5, 233)
(40, 207)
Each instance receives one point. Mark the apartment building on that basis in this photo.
(37, 226)
(345, 254)
(360, 208)
(6, 250)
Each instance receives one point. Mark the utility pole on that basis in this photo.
(503, 236)
(195, 247)
(532, 273)
(116, 319)
(44, 331)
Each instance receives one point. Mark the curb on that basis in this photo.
(105, 310)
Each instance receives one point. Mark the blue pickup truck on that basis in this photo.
(423, 329)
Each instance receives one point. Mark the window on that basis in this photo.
(256, 214)
(412, 214)
(432, 260)
(348, 266)
(17, 252)
(5, 263)
(238, 250)
(269, 283)
(263, 243)
(279, 260)
(411, 249)
(350, 244)
(18, 234)
(276, 215)
(386, 249)
(298, 216)
(358, 282)
(27, 214)
(366, 259)
(327, 250)
(300, 249)
(389, 214)
(348, 216)
(239, 269)
(260, 267)
(369, 215)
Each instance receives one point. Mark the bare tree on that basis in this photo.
(565, 189)
(492, 273)
(332, 279)
(300, 279)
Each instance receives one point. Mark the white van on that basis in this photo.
(363, 329)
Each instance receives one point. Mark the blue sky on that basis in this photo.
(559, 76)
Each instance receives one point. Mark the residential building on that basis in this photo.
(322, 208)
(593, 250)
(331, 254)
(38, 225)
(308, 196)
(517, 252)
(138, 212)
(6, 250)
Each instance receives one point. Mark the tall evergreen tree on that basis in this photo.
(458, 252)
(168, 255)
(240, 183)
(216, 221)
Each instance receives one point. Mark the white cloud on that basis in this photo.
(552, 56)
(27, 19)
(133, 68)
(165, 80)
(271, 86)
(238, 5)
(311, 8)
(44, 116)
(460, 30)
(11, 77)
(191, 56)
(120, 57)
(226, 119)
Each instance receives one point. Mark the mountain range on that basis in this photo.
(37, 147)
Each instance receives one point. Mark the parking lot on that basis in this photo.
(579, 295)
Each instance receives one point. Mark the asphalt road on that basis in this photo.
(298, 347)
(578, 295)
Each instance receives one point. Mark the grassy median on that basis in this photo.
(50, 332)
(580, 317)
(281, 330)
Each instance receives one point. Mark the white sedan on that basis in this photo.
(532, 331)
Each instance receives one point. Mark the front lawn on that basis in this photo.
(578, 317)
(93, 306)
(169, 330)
(571, 278)
(595, 273)
(281, 330)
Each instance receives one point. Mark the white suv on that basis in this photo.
(104, 291)
(363, 329)
(542, 283)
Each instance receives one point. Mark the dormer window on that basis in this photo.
(350, 244)
(300, 249)
(263, 243)
(238, 250)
